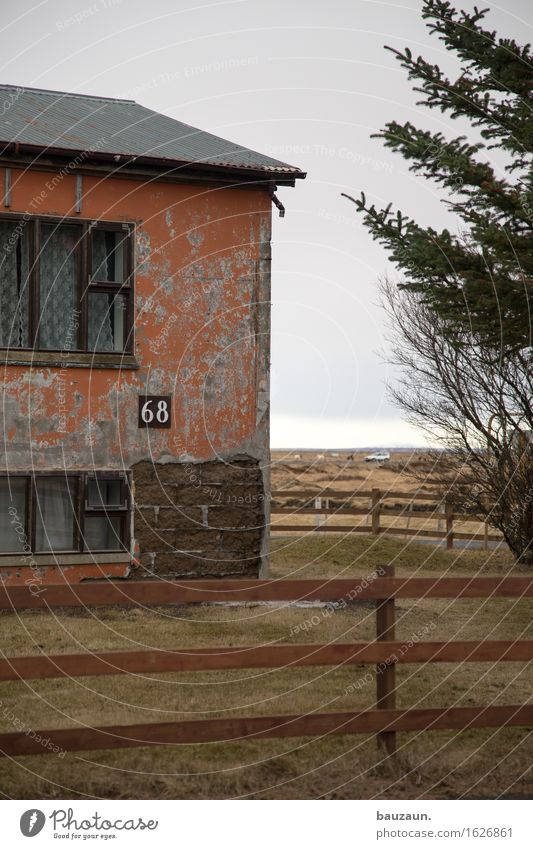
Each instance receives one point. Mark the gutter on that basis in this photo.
(123, 160)
(277, 203)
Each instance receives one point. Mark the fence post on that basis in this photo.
(441, 506)
(386, 670)
(449, 525)
(485, 536)
(318, 518)
(376, 510)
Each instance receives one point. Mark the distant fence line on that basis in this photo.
(442, 513)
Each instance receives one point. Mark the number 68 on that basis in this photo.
(161, 413)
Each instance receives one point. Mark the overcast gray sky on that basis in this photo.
(307, 81)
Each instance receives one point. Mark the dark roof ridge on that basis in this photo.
(66, 93)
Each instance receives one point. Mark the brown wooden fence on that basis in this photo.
(377, 509)
(386, 651)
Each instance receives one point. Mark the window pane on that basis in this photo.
(13, 515)
(58, 287)
(103, 533)
(104, 492)
(109, 249)
(14, 284)
(107, 313)
(55, 514)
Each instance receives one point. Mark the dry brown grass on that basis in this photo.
(477, 763)
(344, 474)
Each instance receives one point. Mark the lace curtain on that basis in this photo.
(12, 496)
(13, 285)
(54, 529)
(102, 533)
(58, 264)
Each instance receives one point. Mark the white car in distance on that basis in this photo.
(378, 457)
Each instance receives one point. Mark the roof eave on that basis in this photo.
(122, 161)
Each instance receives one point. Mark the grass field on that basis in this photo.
(350, 471)
(479, 763)
(315, 473)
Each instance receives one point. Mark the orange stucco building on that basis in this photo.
(134, 337)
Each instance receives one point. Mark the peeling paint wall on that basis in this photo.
(202, 323)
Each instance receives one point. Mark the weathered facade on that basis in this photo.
(134, 328)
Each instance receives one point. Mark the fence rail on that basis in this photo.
(260, 727)
(157, 592)
(386, 652)
(375, 511)
(257, 657)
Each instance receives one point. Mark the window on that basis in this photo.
(64, 512)
(14, 285)
(105, 511)
(65, 286)
(12, 514)
(58, 284)
(107, 302)
(55, 502)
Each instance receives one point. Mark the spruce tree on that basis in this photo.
(478, 274)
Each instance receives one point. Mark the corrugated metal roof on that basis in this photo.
(77, 122)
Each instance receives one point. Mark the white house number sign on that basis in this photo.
(154, 410)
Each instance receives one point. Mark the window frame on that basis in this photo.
(80, 511)
(27, 508)
(112, 512)
(85, 286)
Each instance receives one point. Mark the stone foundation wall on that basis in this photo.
(200, 519)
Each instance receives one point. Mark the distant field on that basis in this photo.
(478, 763)
(318, 471)
(321, 470)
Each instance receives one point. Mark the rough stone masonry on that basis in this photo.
(200, 519)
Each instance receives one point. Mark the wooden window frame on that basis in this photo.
(85, 286)
(81, 510)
